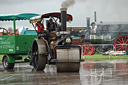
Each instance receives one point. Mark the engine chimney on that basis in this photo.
(88, 23)
(95, 16)
(63, 18)
(87, 35)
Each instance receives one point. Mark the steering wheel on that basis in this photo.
(5, 31)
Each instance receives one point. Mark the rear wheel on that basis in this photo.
(38, 49)
(39, 62)
(121, 42)
(6, 63)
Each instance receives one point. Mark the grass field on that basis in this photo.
(95, 57)
(99, 56)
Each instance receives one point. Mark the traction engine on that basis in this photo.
(55, 47)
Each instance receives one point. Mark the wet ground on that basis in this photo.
(107, 72)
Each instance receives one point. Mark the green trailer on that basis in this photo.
(14, 48)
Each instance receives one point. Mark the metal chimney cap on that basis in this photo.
(63, 9)
(87, 17)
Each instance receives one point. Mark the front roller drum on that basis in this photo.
(68, 58)
(71, 67)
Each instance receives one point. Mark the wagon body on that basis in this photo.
(15, 47)
(19, 44)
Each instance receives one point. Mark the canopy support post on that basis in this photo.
(14, 25)
(34, 27)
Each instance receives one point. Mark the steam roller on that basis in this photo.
(55, 47)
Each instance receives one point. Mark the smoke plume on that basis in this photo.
(67, 3)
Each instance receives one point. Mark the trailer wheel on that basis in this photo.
(39, 60)
(6, 63)
(87, 49)
(120, 43)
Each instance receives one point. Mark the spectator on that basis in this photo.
(40, 26)
(17, 32)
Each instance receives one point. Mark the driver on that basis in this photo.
(51, 26)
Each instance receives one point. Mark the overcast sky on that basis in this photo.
(107, 10)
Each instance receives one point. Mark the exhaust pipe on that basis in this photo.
(63, 18)
(88, 23)
(95, 17)
(87, 35)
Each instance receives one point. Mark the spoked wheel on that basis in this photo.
(6, 63)
(38, 49)
(120, 43)
(5, 31)
(87, 49)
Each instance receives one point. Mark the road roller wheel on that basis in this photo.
(38, 49)
(39, 62)
(87, 49)
(6, 63)
(120, 43)
(72, 67)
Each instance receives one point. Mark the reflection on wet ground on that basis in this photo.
(104, 72)
(109, 72)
